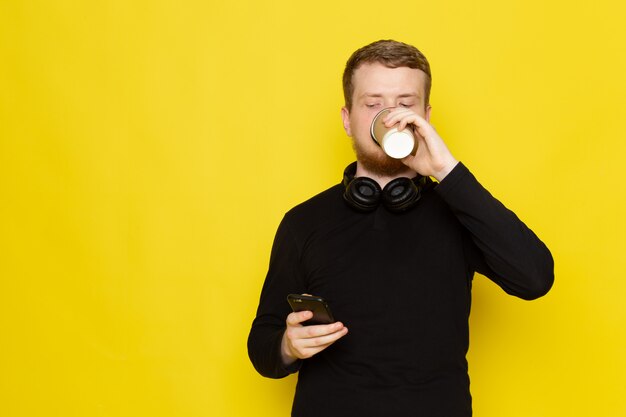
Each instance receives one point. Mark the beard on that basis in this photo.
(378, 162)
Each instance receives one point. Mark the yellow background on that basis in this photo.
(148, 150)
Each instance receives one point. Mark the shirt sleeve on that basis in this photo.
(283, 277)
(504, 248)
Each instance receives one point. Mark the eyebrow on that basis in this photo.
(378, 95)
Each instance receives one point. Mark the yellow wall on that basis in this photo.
(148, 150)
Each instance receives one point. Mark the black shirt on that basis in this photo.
(401, 283)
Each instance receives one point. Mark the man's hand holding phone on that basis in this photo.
(302, 341)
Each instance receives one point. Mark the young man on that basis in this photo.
(394, 254)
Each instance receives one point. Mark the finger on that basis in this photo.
(408, 160)
(305, 348)
(421, 127)
(296, 334)
(405, 118)
(296, 318)
(419, 122)
(325, 340)
(402, 124)
(310, 332)
(396, 115)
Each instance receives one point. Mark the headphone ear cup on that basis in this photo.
(400, 194)
(363, 194)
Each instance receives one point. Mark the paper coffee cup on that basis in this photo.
(395, 143)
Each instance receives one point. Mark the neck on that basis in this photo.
(383, 180)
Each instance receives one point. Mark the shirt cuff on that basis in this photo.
(294, 367)
(452, 180)
(282, 369)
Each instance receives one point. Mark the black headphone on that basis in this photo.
(400, 194)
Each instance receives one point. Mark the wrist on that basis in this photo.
(285, 353)
(446, 169)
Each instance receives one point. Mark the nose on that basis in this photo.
(390, 103)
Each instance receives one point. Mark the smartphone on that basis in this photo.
(319, 307)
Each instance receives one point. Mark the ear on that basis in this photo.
(345, 116)
(428, 109)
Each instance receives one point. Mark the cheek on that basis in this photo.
(363, 121)
(362, 129)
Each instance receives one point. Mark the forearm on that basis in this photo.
(515, 258)
(268, 327)
(265, 349)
